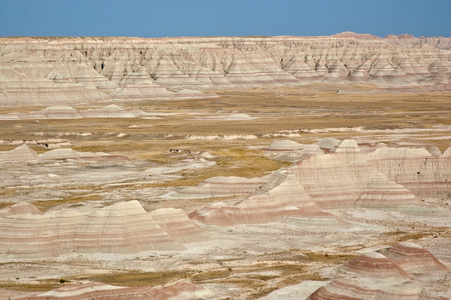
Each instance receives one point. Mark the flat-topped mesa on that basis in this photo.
(122, 228)
(418, 170)
(354, 35)
(413, 258)
(49, 71)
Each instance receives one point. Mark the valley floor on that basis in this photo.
(155, 158)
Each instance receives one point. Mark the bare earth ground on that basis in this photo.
(240, 262)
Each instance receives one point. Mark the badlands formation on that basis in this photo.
(225, 168)
(71, 71)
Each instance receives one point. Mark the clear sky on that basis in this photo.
(165, 18)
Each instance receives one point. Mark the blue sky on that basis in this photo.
(164, 18)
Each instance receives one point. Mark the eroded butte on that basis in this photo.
(225, 168)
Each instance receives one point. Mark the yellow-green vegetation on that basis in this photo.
(6, 204)
(138, 278)
(229, 162)
(308, 107)
(183, 125)
(297, 255)
(253, 279)
(291, 267)
(412, 237)
(257, 279)
(211, 275)
(45, 205)
(41, 286)
(331, 258)
(7, 192)
(393, 237)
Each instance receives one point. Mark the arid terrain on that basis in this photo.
(124, 179)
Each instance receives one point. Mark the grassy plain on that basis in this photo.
(196, 126)
(275, 110)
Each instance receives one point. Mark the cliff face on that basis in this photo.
(46, 71)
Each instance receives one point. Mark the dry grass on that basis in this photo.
(397, 236)
(334, 258)
(291, 267)
(229, 162)
(252, 278)
(45, 205)
(276, 109)
(412, 237)
(129, 279)
(6, 204)
(257, 285)
(7, 192)
(296, 255)
(211, 275)
(42, 286)
(139, 278)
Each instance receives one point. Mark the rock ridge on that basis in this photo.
(71, 71)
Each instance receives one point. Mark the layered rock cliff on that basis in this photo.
(49, 71)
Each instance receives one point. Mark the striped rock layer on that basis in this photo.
(377, 275)
(286, 200)
(23, 153)
(418, 170)
(67, 112)
(344, 177)
(375, 265)
(347, 289)
(124, 228)
(413, 258)
(70, 71)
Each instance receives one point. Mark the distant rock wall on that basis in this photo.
(49, 71)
